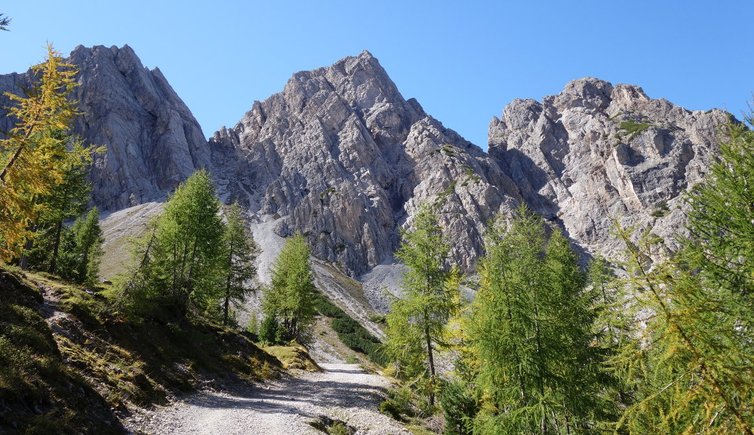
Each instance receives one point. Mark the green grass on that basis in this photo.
(293, 356)
(633, 128)
(39, 392)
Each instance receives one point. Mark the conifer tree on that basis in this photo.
(692, 362)
(182, 259)
(531, 329)
(31, 154)
(289, 301)
(417, 322)
(88, 240)
(240, 253)
(65, 201)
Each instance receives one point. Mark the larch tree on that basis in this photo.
(87, 236)
(240, 255)
(692, 362)
(417, 321)
(289, 300)
(531, 329)
(182, 259)
(65, 201)
(30, 155)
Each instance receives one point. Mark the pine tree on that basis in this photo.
(240, 253)
(289, 301)
(31, 154)
(532, 330)
(417, 322)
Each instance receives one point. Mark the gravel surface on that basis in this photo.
(342, 391)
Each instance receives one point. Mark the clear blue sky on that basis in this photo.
(463, 60)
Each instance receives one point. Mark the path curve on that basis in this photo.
(341, 391)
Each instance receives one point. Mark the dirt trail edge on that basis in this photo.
(342, 392)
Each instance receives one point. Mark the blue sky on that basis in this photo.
(463, 61)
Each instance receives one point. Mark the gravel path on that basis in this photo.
(342, 391)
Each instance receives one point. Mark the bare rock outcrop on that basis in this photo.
(342, 157)
(346, 160)
(152, 140)
(597, 153)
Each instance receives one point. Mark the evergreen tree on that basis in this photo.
(240, 254)
(532, 330)
(88, 240)
(417, 322)
(65, 201)
(182, 261)
(31, 154)
(4, 22)
(289, 301)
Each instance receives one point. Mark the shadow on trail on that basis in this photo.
(284, 397)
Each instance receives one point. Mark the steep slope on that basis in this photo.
(346, 160)
(153, 141)
(596, 153)
(71, 362)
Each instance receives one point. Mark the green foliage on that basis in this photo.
(531, 330)
(460, 407)
(240, 254)
(350, 332)
(270, 331)
(252, 327)
(290, 298)
(399, 403)
(691, 364)
(65, 201)
(182, 259)
(417, 322)
(721, 220)
(633, 128)
(74, 253)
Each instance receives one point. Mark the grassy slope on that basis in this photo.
(90, 363)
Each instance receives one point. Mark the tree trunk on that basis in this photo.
(227, 284)
(23, 262)
(430, 359)
(56, 247)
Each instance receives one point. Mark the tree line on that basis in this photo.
(629, 345)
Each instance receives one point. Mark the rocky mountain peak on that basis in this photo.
(152, 140)
(598, 152)
(343, 157)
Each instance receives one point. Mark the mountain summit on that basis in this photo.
(342, 157)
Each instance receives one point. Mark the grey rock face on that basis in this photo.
(597, 153)
(342, 157)
(153, 141)
(347, 161)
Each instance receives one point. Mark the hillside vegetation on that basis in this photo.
(70, 362)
